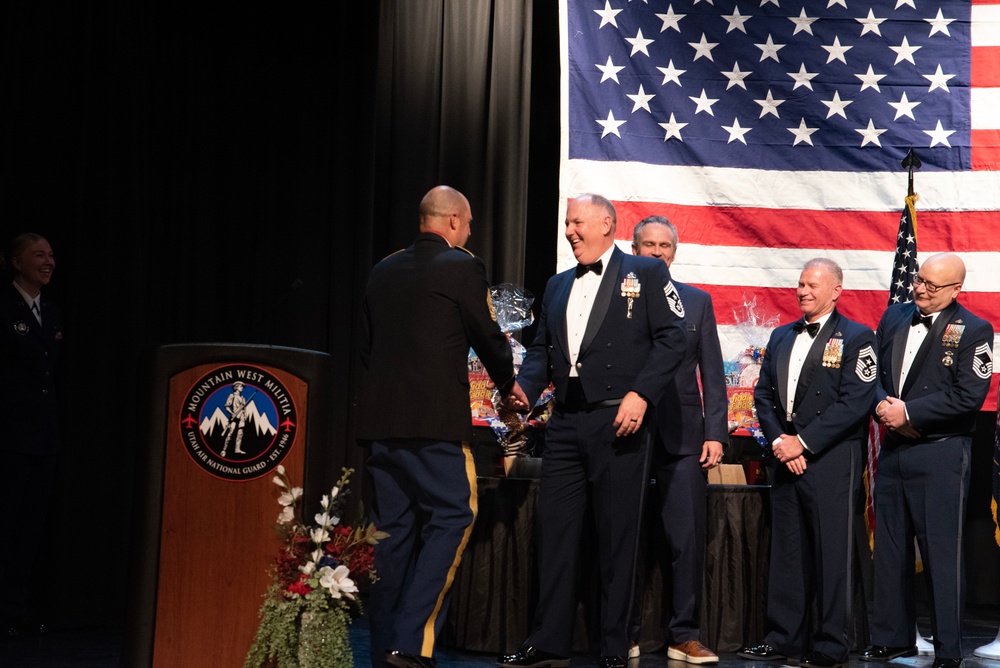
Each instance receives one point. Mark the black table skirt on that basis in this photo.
(495, 589)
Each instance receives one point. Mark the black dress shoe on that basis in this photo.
(761, 652)
(947, 663)
(614, 662)
(530, 657)
(404, 660)
(821, 660)
(883, 653)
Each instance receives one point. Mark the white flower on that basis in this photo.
(337, 582)
(325, 502)
(280, 469)
(322, 519)
(334, 492)
(319, 535)
(287, 515)
(278, 481)
(290, 497)
(308, 567)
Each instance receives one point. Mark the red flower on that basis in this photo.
(300, 586)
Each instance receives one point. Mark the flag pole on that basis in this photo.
(910, 162)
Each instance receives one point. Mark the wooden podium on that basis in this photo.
(222, 417)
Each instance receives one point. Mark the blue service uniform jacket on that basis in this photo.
(619, 353)
(812, 514)
(830, 398)
(950, 375)
(29, 422)
(683, 423)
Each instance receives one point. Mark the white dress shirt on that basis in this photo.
(914, 339)
(579, 306)
(800, 350)
(34, 303)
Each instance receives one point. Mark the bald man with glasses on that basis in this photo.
(935, 366)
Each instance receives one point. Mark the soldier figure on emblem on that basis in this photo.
(236, 404)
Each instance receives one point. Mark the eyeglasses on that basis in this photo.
(930, 287)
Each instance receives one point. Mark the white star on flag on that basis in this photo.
(641, 100)
(610, 71)
(607, 15)
(673, 128)
(610, 125)
(639, 43)
(870, 24)
(703, 48)
(802, 133)
(939, 135)
(870, 134)
(736, 132)
(704, 103)
(671, 73)
(670, 20)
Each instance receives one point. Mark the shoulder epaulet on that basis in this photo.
(394, 253)
(465, 249)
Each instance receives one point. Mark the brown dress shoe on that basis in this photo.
(692, 651)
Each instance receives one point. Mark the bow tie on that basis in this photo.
(582, 269)
(920, 319)
(811, 327)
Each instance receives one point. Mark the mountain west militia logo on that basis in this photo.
(238, 422)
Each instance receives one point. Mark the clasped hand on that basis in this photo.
(789, 451)
(891, 412)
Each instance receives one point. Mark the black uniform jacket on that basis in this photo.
(424, 307)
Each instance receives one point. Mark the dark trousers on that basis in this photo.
(921, 492)
(584, 462)
(683, 491)
(24, 502)
(426, 500)
(811, 551)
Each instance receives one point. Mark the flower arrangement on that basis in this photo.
(303, 621)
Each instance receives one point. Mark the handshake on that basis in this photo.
(516, 399)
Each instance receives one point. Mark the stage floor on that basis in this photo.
(102, 649)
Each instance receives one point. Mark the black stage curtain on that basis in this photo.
(210, 174)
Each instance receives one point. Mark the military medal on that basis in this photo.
(630, 289)
(949, 358)
(833, 353)
(21, 327)
(952, 336)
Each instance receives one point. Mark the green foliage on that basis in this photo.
(301, 632)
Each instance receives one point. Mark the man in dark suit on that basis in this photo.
(424, 307)
(816, 381)
(610, 339)
(689, 438)
(30, 338)
(936, 363)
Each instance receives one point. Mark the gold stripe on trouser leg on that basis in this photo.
(427, 649)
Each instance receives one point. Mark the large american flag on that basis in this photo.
(772, 131)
